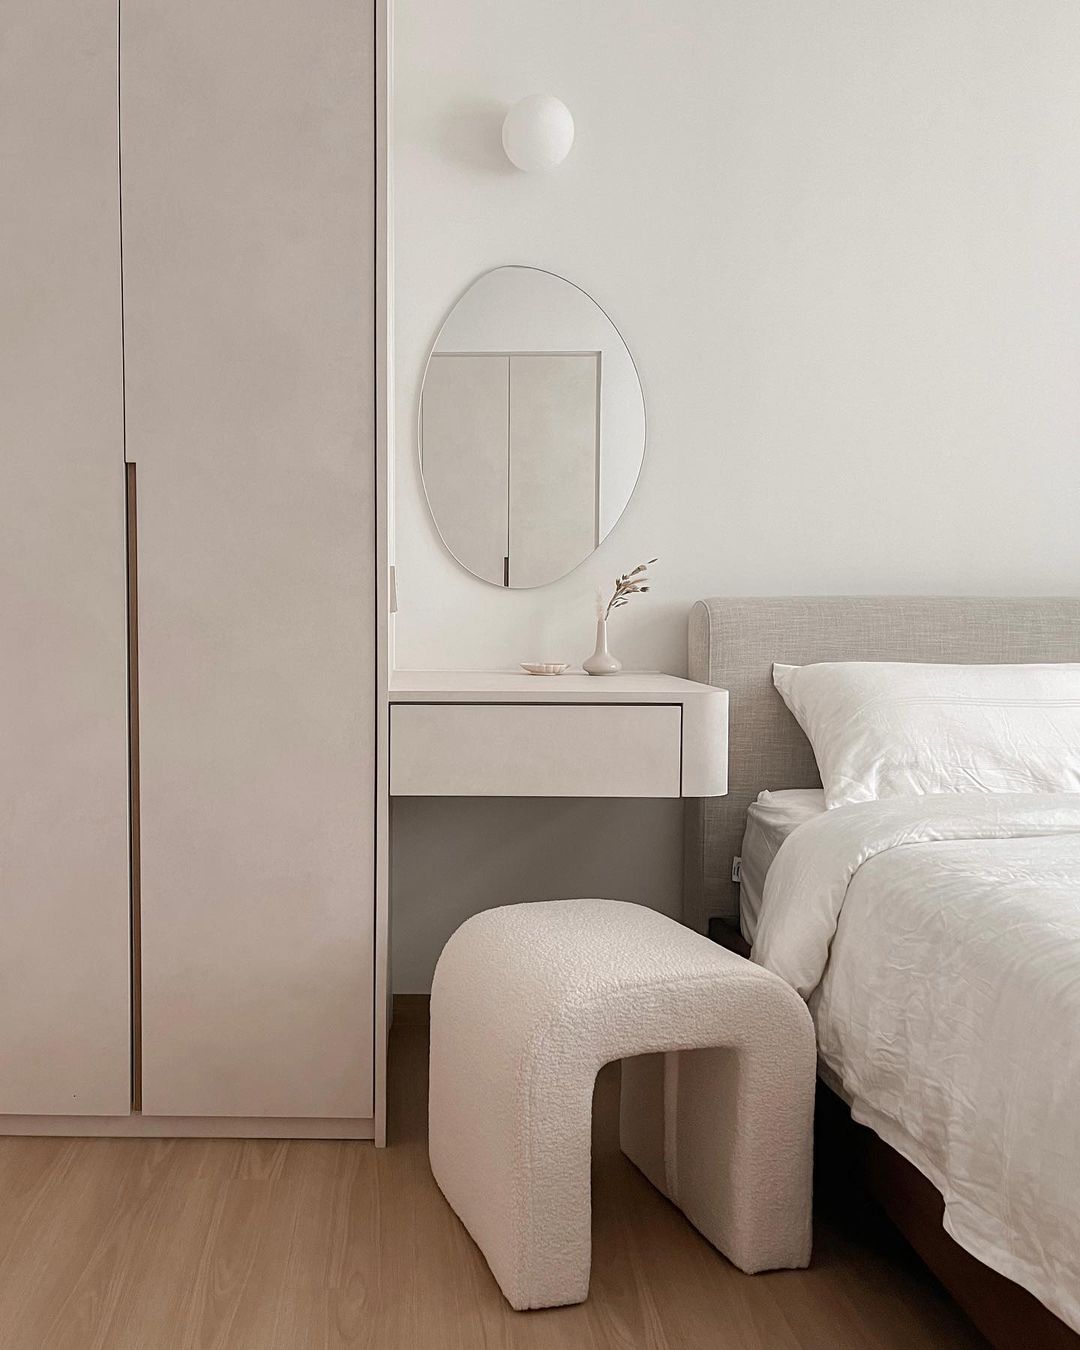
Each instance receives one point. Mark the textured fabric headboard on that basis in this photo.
(734, 642)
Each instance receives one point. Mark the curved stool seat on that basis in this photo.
(528, 1003)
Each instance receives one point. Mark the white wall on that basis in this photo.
(843, 242)
(842, 238)
(454, 856)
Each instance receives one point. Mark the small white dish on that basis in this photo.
(544, 667)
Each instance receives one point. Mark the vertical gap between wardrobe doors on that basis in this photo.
(135, 867)
(131, 534)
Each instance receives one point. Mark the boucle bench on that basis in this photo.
(529, 1001)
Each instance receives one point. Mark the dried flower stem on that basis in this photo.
(634, 582)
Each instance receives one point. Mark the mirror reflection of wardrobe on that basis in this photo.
(510, 448)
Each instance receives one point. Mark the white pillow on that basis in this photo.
(893, 729)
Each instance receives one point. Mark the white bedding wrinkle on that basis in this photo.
(895, 728)
(938, 942)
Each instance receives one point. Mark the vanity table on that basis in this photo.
(506, 787)
(503, 734)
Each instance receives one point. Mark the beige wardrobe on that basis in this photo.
(188, 288)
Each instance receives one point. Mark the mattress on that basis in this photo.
(769, 821)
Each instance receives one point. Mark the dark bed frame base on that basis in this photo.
(1007, 1315)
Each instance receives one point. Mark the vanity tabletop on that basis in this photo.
(509, 686)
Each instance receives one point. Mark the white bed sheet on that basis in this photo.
(769, 821)
(938, 942)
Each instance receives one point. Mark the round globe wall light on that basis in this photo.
(537, 133)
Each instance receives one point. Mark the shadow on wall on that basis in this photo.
(470, 134)
(455, 856)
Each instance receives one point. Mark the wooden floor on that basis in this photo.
(156, 1245)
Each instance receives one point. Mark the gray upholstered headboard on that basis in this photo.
(734, 642)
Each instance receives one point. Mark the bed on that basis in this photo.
(900, 947)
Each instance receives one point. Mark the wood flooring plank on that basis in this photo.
(52, 1241)
(28, 1175)
(164, 1260)
(128, 1204)
(236, 1257)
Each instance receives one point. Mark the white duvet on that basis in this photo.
(938, 942)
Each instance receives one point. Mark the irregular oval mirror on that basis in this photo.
(532, 427)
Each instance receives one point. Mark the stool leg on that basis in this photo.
(511, 1152)
(740, 1157)
(726, 1134)
(554, 1238)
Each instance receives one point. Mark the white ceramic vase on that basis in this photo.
(601, 662)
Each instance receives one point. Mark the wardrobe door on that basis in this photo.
(64, 950)
(554, 463)
(248, 208)
(464, 447)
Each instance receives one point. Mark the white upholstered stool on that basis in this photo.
(529, 1002)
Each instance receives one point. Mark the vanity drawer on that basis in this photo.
(535, 750)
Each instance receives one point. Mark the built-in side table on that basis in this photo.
(504, 734)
